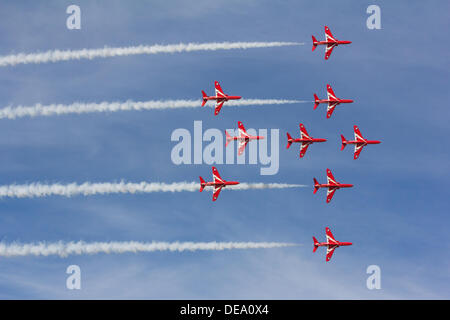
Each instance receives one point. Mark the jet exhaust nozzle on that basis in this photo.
(316, 101)
(316, 244)
(316, 185)
(314, 40)
(204, 100)
(202, 184)
(289, 140)
(228, 138)
(344, 142)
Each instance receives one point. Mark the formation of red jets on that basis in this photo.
(305, 141)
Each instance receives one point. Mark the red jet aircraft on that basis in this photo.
(332, 101)
(218, 183)
(331, 184)
(305, 140)
(331, 244)
(220, 98)
(330, 42)
(243, 138)
(359, 142)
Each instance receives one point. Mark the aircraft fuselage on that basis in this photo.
(332, 42)
(247, 138)
(331, 244)
(339, 185)
(363, 142)
(218, 184)
(220, 98)
(335, 101)
(301, 140)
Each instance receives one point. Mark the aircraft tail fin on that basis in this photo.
(289, 140)
(314, 40)
(202, 184)
(316, 244)
(316, 101)
(344, 142)
(204, 98)
(316, 185)
(228, 138)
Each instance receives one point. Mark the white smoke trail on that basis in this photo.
(87, 189)
(65, 55)
(248, 186)
(78, 248)
(79, 108)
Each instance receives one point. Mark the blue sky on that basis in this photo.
(396, 215)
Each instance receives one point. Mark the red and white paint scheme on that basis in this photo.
(218, 183)
(305, 140)
(359, 142)
(330, 42)
(243, 138)
(331, 100)
(331, 244)
(331, 184)
(220, 98)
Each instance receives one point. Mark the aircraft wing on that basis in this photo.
(358, 135)
(303, 132)
(216, 192)
(328, 35)
(330, 177)
(328, 50)
(216, 176)
(330, 193)
(330, 93)
(303, 148)
(358, 149)
(219, 91)
(219, 104)
(242, 132)
(330, 251)
(242, 145)
(330, 109)
(330, 237)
